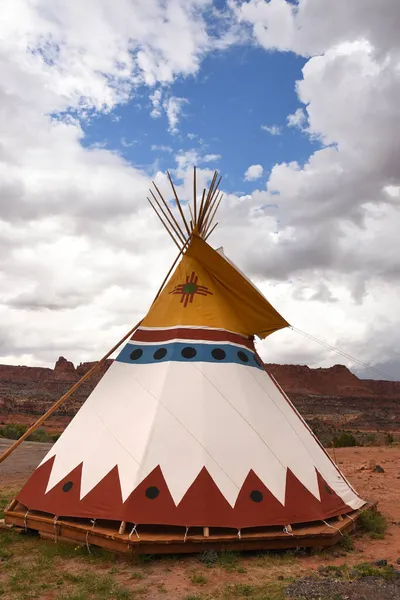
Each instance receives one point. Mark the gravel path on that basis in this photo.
(18, 466)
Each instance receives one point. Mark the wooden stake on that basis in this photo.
(95, 367)
(172, 237)
(178, 204)
(206, 531)
(122, 528)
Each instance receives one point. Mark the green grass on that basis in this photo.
(198, 579)
(350, 573)
(137, 575)
(367, 570)
(229, 561)
(275, 559)
(346, 542)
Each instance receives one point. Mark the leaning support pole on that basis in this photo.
(63, 398)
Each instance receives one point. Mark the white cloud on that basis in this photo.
(161, 148)
(272, 130)
(78, 242)
(253, 172)
(173, 107)
(188, 159)
(155, 99)
(297, 119)
(310, 27)
(126, 144)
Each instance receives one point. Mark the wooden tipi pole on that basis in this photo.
(95, 367)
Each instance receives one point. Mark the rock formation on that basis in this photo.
(333, 396)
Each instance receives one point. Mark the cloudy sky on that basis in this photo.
(296, 103)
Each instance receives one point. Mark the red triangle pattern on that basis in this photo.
(202, 505)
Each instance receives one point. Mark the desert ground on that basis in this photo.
(33, 568)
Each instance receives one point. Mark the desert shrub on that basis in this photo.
(39, 435)
(373, 522)
(344, 440)
(370, 438)
(389, 439)
(347, 542)
(12, 431)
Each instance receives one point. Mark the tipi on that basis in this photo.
(187, 430)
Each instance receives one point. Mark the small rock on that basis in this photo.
(379, 469)
(281, 578)
(380, 563)
(398, 561)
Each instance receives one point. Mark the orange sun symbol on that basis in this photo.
(188, 290)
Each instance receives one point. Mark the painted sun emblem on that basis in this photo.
(190, 288)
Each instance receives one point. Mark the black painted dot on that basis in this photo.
(136, 354)
(152, 492)
(67, 486)
(160, 353)
(189, 352)
(218, 354)
(242, 356)
(328, 489)
(256, 496)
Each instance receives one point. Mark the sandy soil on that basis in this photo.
(175, 575)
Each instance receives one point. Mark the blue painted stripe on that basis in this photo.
(135, 353)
